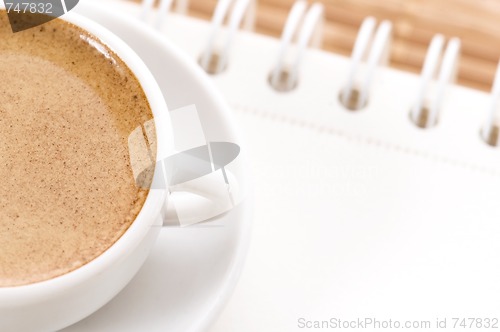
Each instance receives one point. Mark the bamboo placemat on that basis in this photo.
(475, 22)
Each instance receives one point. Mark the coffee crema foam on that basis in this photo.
(67, 193)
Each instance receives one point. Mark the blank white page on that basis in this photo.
(358, 214)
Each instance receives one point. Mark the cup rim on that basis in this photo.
(12, 296)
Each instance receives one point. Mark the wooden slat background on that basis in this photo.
(476, 22)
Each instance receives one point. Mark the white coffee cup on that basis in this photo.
(62, 301)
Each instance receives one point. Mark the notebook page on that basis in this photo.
(347, 229)
(360, 214)
(357, 214)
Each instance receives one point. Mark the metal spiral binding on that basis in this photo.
(431, 93)
(371, 50)
(303, 27)
(215, 57)
(491, 129)
(165, 6)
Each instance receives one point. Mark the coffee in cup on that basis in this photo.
(67, 106)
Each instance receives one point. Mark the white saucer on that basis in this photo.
(191, 272)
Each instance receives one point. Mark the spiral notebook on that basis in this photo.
(377, 191)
